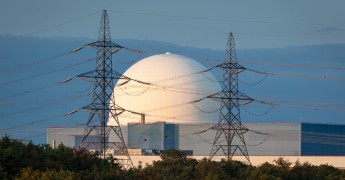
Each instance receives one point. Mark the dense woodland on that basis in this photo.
(28, 161)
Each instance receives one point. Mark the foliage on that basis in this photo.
(207, 169)
(28, 161)
(17, 158)
(235, 169)
(307, 171)
(174, 165)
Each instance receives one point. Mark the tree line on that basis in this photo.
(28, 161)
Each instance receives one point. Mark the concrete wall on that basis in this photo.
(153, 136)
(63, 135)
(146, 136)
(72, 137)
(171, 138)
(192, 139)
(281, 138)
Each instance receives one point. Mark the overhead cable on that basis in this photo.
(220, 19)
(30, 91)
(44, 73)
(20, 67)
(32, 122)
(51, 27)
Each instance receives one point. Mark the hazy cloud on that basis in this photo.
(330, 29)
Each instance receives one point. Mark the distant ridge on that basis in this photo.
(40, 106)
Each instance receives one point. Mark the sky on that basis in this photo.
(197, 23)
(258, 26)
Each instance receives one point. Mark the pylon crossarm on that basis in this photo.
(104, 44)
(243, 97)
(99, 107)
(97, 74)
(94, 74)
(223, 96)
(231, 66)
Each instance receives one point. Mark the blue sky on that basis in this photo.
(198, 23)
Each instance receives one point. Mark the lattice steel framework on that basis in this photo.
(229, 137)
(103, 104)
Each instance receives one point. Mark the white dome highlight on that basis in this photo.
(176, 84)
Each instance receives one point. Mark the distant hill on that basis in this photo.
(31, 97)
(14, 47)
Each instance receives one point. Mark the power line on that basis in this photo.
(304, 101)
(255, 83)
(30, 91)
(311, 108)
(299, 106)
(19, 67)
(47, 105)
(279, 104)
(136, 90)
(33, 122)
(262, 114)
(274, 104)
(51, 27)
(204, 38)
(44, 73)
(340, 68)
(294, 65)
(338, 78)
(221, 19)
(44, 100)
(307, 66)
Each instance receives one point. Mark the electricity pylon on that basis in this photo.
(229, 137)
(103, 104)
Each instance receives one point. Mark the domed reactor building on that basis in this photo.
(165, 110)
(175, 82)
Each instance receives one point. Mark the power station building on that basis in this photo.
(278, 139)
(167, 112)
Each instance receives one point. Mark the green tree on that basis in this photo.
(265, 171)
(16, 155)
(207, 169)
(235, 169)
(174, 165)
(29, 161)
(327, 172)
(303, 171)
(283, 167)
(29, 174)
(19, 158)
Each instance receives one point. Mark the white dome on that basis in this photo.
(176, 83)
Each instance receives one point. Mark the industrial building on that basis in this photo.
(281, 139)
(174, 82)
(168, 111)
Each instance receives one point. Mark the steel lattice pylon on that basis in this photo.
(229, 136)
(103, 104)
